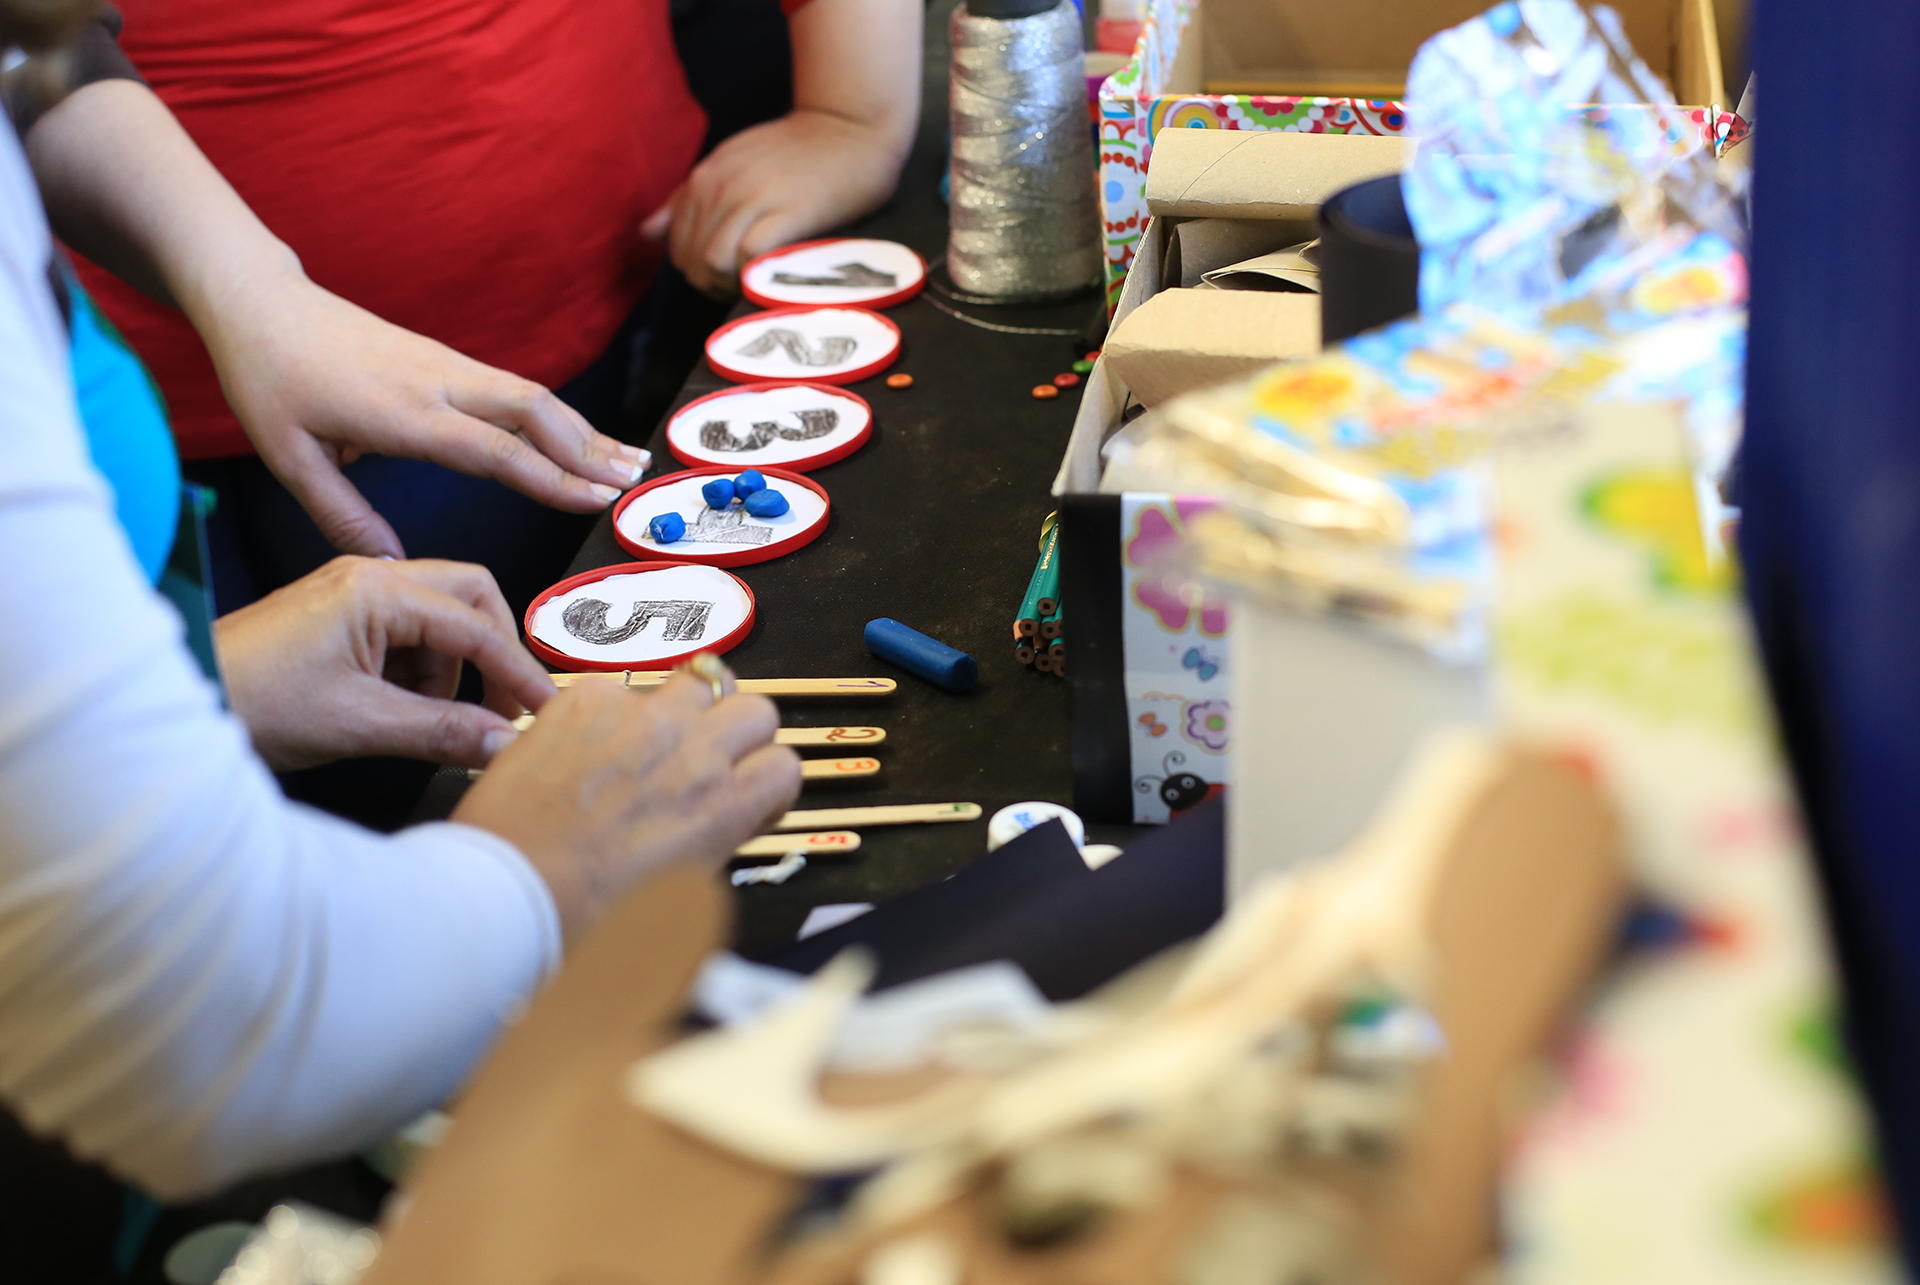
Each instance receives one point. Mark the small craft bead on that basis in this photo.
(747, 483)
(1065, 381)
(902, 380)
(1083, 366)
(1044, 391)
(1094, 355)
(718, 493)
(767, 503)
(667, 528)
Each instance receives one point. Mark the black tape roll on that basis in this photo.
(1369, 261)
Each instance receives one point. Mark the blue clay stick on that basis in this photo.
(747, 483)
(767, 504)
(667, 528)
(718, 493)
(918, 654)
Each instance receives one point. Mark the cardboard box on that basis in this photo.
(1308, 67)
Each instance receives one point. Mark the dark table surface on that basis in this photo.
(935, 523)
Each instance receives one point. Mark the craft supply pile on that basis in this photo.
(1428, 907)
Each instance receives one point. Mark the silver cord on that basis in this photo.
(1023, 223)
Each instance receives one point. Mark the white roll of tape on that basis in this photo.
(1016, 819)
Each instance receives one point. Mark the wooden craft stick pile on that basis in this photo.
(821, 832)
(1039, 636)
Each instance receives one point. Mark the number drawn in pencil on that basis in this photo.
(718, 435)
(686, 620)
(849, 276)
(832, 350)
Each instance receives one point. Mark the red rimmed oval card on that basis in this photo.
(639, 615)
(804, 345)
(797, 427)
(725, 537)
(842, 269)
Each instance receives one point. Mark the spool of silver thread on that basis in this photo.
(1023, 222)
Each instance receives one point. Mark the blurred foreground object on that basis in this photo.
(1829, 485)
(1313, 1085)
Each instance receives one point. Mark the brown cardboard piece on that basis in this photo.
(1296, 267)
(1181, 340)
(1266, 174)
(549, 1175)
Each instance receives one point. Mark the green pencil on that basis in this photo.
(1027, 624)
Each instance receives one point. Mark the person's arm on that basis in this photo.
(208, 982)
(835, 157)
(315, 380)
(200, 981)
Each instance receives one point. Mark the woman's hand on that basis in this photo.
(769, 186)
(363, 656)
(609, 784)
(833, 158)
(318, 382)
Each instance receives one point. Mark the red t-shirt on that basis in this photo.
(475, 170)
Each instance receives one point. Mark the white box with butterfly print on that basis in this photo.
(1179, 717)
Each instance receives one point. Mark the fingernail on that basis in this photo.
(638, 469)
(605, 494)
(495, 741)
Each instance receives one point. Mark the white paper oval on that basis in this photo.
(730, 530)
(843, 270)
(792, 409)
(657, 598)
(819, 343)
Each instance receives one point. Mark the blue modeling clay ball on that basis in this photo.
(767, 504)
(747, 483)
(718, 493)
(667, 528)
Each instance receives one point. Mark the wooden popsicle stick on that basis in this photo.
(897, 814)
(836, 769)
(809, 737)
(801, 737)
(819, 843)
(639, 680)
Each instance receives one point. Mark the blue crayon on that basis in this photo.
(718, 493)
(918, 654)
(767, 504)
(747, 483)
(667, 528)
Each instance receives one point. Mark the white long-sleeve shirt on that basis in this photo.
(198, 979)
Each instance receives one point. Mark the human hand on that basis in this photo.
(318, 382)
(772, 185)
(609, 784)
(363, 657)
